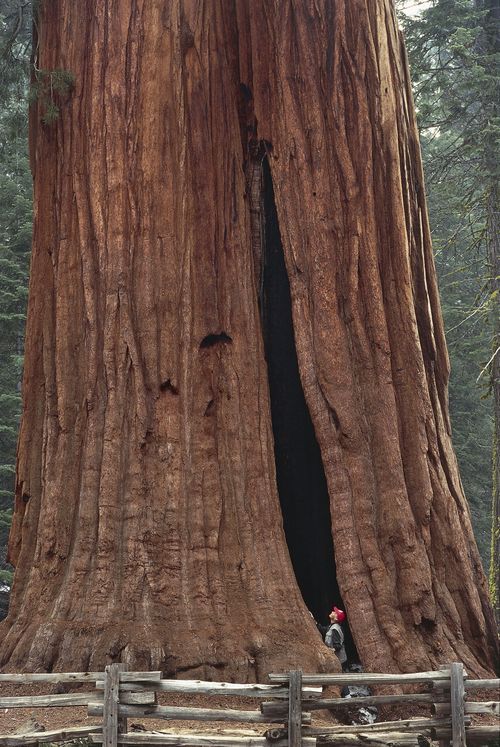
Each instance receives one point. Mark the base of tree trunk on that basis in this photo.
(153, 450)
(185, 654)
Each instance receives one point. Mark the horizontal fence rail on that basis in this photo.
(199, 687)
(367, 678)
(286, 707)
(77, 677)
(44, 737)
(178, 713)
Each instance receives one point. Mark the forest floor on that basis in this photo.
(27, 720)
(19, 720)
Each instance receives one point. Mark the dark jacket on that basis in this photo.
(334, 638)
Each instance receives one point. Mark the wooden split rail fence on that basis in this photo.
(286, 707)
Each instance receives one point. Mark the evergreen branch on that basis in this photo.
(489, 363)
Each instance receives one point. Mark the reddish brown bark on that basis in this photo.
(147, 523)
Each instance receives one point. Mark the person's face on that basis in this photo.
(333, 616)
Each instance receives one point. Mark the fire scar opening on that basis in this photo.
(300, 475)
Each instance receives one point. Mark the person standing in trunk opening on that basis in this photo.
(334, 637)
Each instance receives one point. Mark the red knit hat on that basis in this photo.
(340, 614)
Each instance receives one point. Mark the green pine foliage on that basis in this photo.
(15, 240)
(454, 67)
(49, 88)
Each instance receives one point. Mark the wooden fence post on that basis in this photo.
(295, 709)
(441, 694)
(112, 725)
(122, 720)
(457, 694)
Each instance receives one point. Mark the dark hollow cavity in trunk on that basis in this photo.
(302, 487)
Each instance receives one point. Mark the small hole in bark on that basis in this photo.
(148, 438)
(209, 408)
(115, 651)
(187, 37)
(167, 386)
(25, 497)
(246, 92)
(428, 624)
(335, 418)
(215, 339)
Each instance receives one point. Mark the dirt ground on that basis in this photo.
(23, 720)
(18, 720)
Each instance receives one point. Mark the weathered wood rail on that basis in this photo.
(285, 707)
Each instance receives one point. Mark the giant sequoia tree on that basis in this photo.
(235, 389)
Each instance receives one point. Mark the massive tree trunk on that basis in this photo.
(235, 390)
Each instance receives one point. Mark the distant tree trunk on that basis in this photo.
(494, 259)
(491, 42)
(233, 307)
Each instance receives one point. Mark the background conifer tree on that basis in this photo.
(15, 239)
(454, 54)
